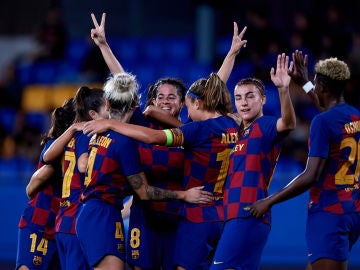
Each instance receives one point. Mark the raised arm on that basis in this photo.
(281, 79)
(38, 180)
(228, 63)
(300, 76)
(147, 192)
(56, 149)
(143, 134)
(98, 35)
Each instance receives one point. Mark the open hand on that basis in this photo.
(300, 73)
(198, 195)
(95, 126)
(280, 77)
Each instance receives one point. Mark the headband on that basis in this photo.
(191, 94)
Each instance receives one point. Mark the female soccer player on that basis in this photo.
(72, 146)
(36, 242)
(207, 144)
(113, 169)
(154, 224)
(252, 163)
(331, 172)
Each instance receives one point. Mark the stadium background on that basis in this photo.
(152, 39)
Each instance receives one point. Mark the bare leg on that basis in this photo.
(327, 264)
(110, 262)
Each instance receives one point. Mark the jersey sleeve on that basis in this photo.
(187, 134)
(82, 144)
(269, 128)
(138, 118)
(45, 148)
(129, 156)
(319, 138)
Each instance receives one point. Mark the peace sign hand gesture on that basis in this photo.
(237, 41)
(98, 33)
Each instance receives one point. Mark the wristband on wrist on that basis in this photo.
(308, 87)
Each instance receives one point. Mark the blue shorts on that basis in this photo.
(331, 236)
(100, 230)
(196, 243)
(36, 252)
(70, 253)
(152, 238)
(241, 244)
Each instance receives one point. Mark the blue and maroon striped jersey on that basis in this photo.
(252, 164)
(335, 136)
(207, 146)
(73, 183)
(112, 158)
(163, 167)
(42, 209)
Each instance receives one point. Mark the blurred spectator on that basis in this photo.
(27, 138)
(94, 68)
(51, 36)
(334, 35)
(14, 167)
(352, 95)
(10, 88)
(302, 36)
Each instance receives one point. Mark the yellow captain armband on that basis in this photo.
(169, 137)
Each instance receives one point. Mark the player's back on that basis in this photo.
(335, 136)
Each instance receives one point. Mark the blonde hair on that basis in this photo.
(121, 90)
(333, 68)
(214, 94)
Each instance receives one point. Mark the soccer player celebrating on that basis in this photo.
(332, 169)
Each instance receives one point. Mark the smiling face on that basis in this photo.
(168, 99)
(249, 102)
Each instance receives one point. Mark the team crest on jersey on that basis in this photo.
(135, 254)
(246, 132)
(37, 260)
(121, 248)
(65, 203)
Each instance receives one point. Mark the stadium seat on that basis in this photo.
(68, 72)
(8, 119)
(222, 45)
(126, 49)
(179, 49)
(196, 71)
(44, 72)
(39, 121)
(36, 98)
(76, 51)
(154, 49)
(62, 92)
